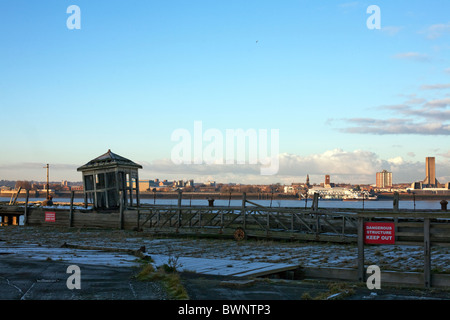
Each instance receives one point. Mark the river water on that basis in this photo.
(376, 204)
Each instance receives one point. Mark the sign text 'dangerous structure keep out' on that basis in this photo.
(50, 216)
(379, 233)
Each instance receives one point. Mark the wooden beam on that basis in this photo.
(244, 200)
(121, 212)
(427, 253)
(25, 215)
(72, 195)
(15, 198)
(361, 269)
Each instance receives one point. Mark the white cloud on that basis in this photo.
(437, 30)
(435, 86)
(37, 172)
(358, 166)
(445, 155)
(396, 161)
(414, 56)
(414, 116)
(438, 103)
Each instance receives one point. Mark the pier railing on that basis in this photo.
(241, 222)
(427, 229)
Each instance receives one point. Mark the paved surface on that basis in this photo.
(202, 287)
(30, 279)
(33, 267)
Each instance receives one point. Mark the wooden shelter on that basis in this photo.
(109, 176)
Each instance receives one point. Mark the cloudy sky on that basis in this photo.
(346, 100)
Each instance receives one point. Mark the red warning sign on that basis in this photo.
(50, 216)
(379, 233)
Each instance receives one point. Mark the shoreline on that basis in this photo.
(226, 196)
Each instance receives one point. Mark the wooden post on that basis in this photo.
(317, 224)
(15, 198)
(122, 205)
(130, 188)
(427, 252)
(396, 201)
(244, 200)
(180, 197)
(25, 214)
(158, 218)
(85, 200)
(138, 196)
(361, 269)
(292, 222)
(395, 228)
(138, 218)
(72, 195)
(315, 205)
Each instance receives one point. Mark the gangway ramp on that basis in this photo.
(225, 267)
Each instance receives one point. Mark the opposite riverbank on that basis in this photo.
(225, 196)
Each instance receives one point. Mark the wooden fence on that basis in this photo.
(425, 228)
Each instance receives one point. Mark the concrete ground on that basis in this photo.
(30, 279)
(34, 273)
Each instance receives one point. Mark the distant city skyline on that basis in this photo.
(347, 100)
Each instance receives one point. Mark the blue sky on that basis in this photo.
(347, 101)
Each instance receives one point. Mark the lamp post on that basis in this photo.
(48, 194)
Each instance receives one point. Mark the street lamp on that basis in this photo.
(48, 186)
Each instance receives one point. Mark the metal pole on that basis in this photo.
(48, 186)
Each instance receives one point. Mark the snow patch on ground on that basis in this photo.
(388, 257)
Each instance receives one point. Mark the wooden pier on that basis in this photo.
(250, 220)
(239, 222)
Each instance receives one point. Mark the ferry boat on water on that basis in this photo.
(359, 197)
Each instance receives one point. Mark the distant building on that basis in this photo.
(384, 179)
(430, 181)
(290, 189)
(144, 185)
(328, 183)
(430, 171)
(76, 188)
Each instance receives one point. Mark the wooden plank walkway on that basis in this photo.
(225, 267)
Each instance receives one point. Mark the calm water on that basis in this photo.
(379, 204)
